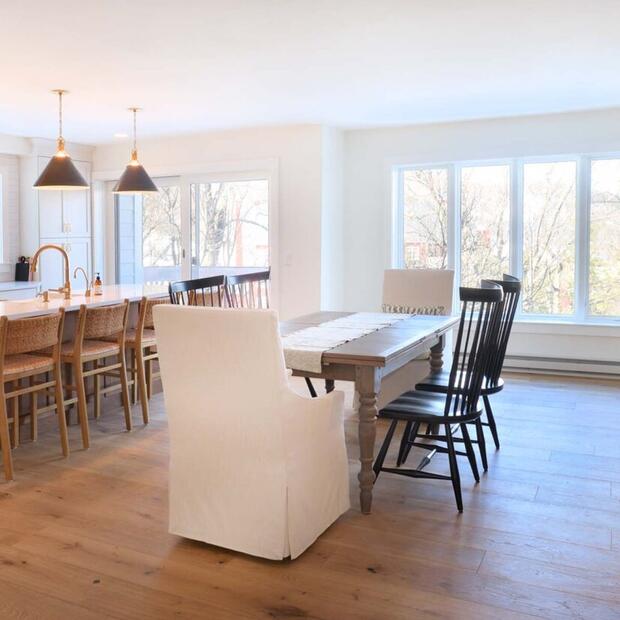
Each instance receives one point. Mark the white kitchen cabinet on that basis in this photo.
(64, 214)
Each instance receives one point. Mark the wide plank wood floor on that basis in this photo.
(86, 537)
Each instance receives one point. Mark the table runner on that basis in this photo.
(304, 348)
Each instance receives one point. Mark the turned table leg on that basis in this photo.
(436, 359)
(367, 384)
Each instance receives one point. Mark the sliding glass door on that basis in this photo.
(224, 220)
(229, 224)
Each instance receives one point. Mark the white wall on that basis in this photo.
(298, 151)
(332, 220)
(9, 170)
(370, 154)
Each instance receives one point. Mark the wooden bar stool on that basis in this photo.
(141, 344)
(30, 348)
(99, 334)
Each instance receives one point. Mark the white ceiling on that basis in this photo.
(204, 64)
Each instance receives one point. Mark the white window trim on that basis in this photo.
(583, 163)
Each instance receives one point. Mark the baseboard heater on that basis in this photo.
(556, 365)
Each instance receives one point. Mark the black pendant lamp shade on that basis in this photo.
(135, 179)
(61, 173)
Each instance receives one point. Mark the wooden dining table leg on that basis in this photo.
(436, 358)
(367, 384)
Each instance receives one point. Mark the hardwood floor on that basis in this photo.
(87, 537)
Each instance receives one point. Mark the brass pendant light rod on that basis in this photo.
(135, 179)
(61, 173)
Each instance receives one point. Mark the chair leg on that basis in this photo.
(482, 444)
(454, 469)
(140, 379)
(404, 442)
(310, 387)
(413, 433)
(60, 411)
(149, 376)
(491, 420)
(132, 369)
(125, 390)
(5, 438)
(15, 415)
(97, 395)
(68, 391)
(384, 449)
(471, 455)
(34, 397)
(81, 398)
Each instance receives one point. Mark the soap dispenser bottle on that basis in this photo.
(98, 286)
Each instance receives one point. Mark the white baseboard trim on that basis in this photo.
(551, 365)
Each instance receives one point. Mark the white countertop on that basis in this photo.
(12, 285)
(111, 293)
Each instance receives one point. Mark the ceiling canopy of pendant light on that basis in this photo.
(135, 179)
(60, 172)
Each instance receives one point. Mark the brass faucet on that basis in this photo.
(87, 293)
(52, 246)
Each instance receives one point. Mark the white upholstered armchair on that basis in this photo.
(254, 467)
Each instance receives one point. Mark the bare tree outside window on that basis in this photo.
(161, 234)
(549, 205)
(425, 194)
(605, 238)
(485, 220)
(230, 224)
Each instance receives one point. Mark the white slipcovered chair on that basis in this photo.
(254, 467)
(413, 291)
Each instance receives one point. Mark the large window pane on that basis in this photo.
(485, 218)
(161, 234)
(549, 238)
(425, 194)
(230, 224)
(605, 238)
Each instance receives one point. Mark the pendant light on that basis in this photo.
(135, 179)
(60, 172)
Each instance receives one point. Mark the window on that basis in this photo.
(225, 222)
(230, 225)
(425, 195)
(527, 217)
(485, 215)
(148, 235)
(161, 234)
(604, 280)
(549, 203)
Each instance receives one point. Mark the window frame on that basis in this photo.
(516, 165)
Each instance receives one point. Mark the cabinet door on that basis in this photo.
(50, 208)
(52, 266)
(76, 206)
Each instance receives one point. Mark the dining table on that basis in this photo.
(366, 360)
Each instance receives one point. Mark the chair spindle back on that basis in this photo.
(250, 290)
(481, 310)
(210, 291)
(512, 290)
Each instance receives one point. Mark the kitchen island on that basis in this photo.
(113, 293)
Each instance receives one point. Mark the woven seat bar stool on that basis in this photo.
(480, 320)
(142, 346)
(210, 291)
(249, 290)
(99, 335)
(30, 348)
